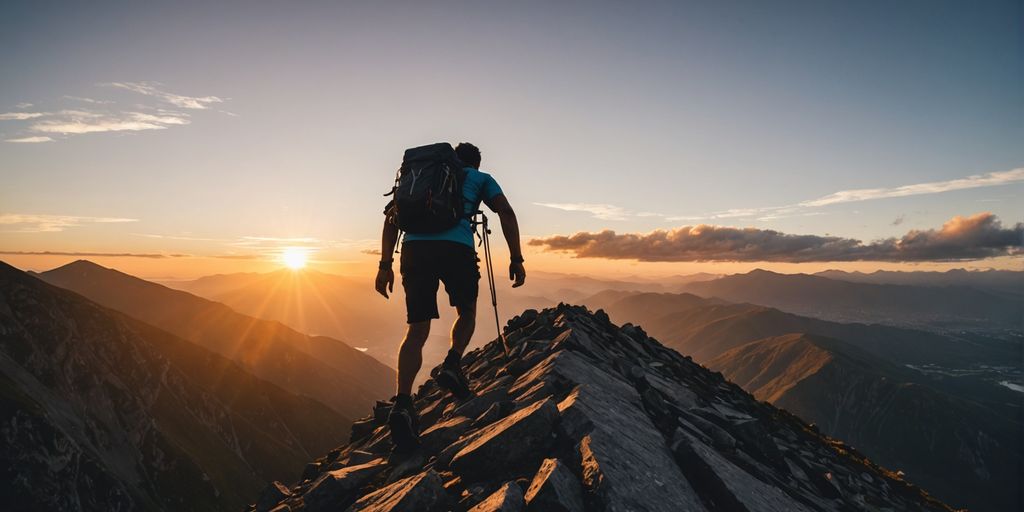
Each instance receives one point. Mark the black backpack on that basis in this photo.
(428, 190)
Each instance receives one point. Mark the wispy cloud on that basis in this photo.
(20, 116)
(181, 237)
(178, 100)
(35, 223)
(992, 179)
(803, 208)
(29, 140)
(934, 187)
(24, 104)
(94, 254)
(961, 238)
(101, 116)
(77, 122)
(598, 211)
(88, 100)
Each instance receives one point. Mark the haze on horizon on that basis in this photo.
(174, 141)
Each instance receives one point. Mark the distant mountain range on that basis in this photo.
(348, 308)
(1011, 281)
(320, 367)
(947, 307)
(100, 411)
(957, 435)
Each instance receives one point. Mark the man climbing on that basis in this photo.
(430, 256)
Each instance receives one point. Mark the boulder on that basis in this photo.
(480, 403)
(508, 498)
(721, 482)
(271, 496)
(554, 489)
(495, 412)
(444, 433)
(335, 489)
(419, 493)
(507, 446)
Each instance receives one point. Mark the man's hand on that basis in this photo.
(516, 273)
(385, 282)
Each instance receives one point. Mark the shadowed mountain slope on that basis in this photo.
(820, 297)
(99, 411)
(705, 329)
(586, 415)
(957, 435)
(323, 368)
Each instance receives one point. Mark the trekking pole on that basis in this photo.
(490, 279)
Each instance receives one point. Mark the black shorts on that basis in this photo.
(424, 263)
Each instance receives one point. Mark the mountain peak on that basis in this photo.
(582, 414)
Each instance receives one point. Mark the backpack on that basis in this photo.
(428, 190)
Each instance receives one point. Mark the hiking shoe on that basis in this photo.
(451, 378)
(404, 425)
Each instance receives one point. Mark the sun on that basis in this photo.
(294, 258)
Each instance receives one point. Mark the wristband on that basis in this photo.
(385, 264)
(518, 259)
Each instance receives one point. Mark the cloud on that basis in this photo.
(88, 100)
(33, 223)
(178, 100)
(935, 187)
(764, 213)
(93, 254)
(24, 105)
(598, 211)
(372, 252)
(961, 238)
(899, 220)
(20, 116)
(79, 121)
(30, 140)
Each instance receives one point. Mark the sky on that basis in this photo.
(178, 139)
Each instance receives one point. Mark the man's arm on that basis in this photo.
(510, 228)
(385, 281)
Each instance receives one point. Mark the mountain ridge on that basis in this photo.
(587, 415)
(316, 366)
(100, 411)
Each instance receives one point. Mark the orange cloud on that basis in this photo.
(961, 238)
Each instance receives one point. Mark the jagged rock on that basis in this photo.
(419, 493)
(361, 429)
(508, 498)
(442, 434)
(480, 403)
(494, 413)
(554, 489)
(357, 457)
(335, 489)
(271, 496)
(311, 471)
(501, 449)
(724, 485)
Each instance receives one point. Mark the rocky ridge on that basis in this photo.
(585, 415)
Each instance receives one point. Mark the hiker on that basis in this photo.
(429, 256)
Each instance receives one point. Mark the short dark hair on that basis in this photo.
(469, 154)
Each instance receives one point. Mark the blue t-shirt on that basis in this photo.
(479, 186)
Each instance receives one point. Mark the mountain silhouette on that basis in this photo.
(894, 304)
(320, 367)
(586, 415)
(99, 411)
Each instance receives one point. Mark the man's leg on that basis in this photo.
(462, 329)
(410, 355)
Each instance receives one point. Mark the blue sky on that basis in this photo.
(685, 110)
